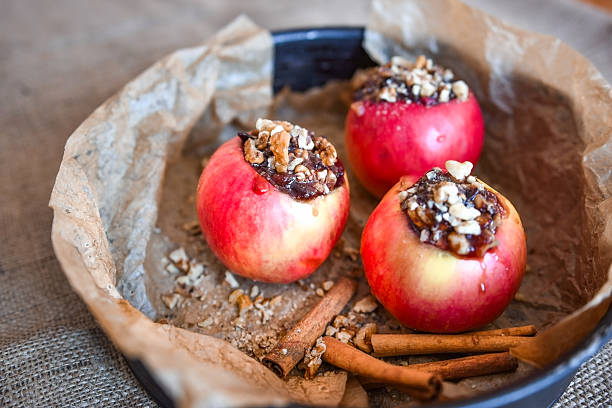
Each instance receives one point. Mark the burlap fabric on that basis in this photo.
(61, 59)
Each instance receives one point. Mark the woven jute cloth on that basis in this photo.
(61, 59)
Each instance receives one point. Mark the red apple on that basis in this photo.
(388, 140)
(432, 289)
(260, 232)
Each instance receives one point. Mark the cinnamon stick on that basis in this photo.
(459, 368)
(472, 366)
(529, 330)
(425, 385)
(293, 346)
(412, 344)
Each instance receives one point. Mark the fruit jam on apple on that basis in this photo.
(453, 211)
(293, 159)
(423, 82)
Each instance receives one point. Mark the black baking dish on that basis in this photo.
(307, 58)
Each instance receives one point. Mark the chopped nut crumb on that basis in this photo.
(460, 89)
(340, 321)
(231, 280)
(275, 300)
(313, 360)
(206, 323)
(330, 330)
(459, 170)
(366, 305)
(251, 153)
(171, 300)
(363, 337)
(320, 292)
(179, 258)
(233, 297)
(192, 228)
(327, 285)
(344, 336)
(351, 252)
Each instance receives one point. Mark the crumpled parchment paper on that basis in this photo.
(548, 147)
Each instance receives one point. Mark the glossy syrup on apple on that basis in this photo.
(260, 185)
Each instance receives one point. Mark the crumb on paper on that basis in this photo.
(351, 252)
(171, 300)
(231, 280)
(366, 305)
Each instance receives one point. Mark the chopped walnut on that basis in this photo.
(365, 305)
(231, 280)
(363, 337)
(340, 321)
(461, 89)
(279, 145)
(423, 82)
(171, 300)
(293, 159)
(453, 210)
(179, 258)
(244, 304)
(327, 151)
(344, 336)
(192, 228)
(251, 154)
(459, 170)
(351, 253)
(327, 285)
(312, 359)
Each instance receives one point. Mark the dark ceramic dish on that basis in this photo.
(311, 57)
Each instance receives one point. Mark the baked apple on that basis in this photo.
(446, 254)
(408, 118)
(273, 202)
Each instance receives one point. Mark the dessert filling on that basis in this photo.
(400, 80)
(453, 210)
(293, 159)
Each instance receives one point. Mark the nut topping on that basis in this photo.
(293, 159)
(453, 210)
(423, 82)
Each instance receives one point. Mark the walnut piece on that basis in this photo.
(279, 145)
(365, 305)
(363, 337)
(459, 170)
(251, 154)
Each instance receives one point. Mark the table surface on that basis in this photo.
(58, 61)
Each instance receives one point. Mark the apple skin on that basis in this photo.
(386, 141)
(269, 236)
(432, 290)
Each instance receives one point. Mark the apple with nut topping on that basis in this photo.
(273, 202)
(446, 254)
(408, 118)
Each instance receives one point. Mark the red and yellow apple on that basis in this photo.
(431, 289)
(260, 232)
(388, 140)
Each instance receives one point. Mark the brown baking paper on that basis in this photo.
(121, 193)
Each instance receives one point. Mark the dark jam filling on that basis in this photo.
(427, 216)
(288, 182)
